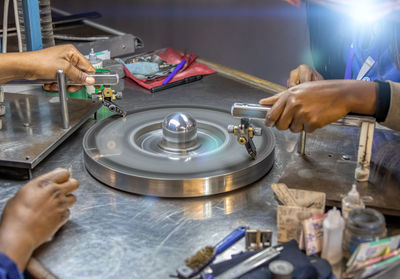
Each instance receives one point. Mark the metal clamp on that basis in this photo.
(107, 96)
(366, 124)
(245, 133)
(258, 239)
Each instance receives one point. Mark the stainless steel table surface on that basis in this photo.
(112, 234)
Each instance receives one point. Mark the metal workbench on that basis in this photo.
(112, 234)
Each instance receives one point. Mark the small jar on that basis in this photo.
(362, 225)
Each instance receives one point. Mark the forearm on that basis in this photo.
(361, 96)
(14, 66)
(19, 250)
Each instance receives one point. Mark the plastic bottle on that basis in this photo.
(333, 226)
(351, 201)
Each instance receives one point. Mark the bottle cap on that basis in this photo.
(353, 194)
(281, 269)
(334, 217)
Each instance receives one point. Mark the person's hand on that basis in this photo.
(45, 63)
(35, 213)
(313, 105)
(302, 74)
(66, 58)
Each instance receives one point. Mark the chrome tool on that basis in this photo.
(365, 123)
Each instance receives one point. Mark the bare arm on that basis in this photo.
(312, 105)
(43, 64)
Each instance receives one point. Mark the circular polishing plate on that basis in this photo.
(125, 153)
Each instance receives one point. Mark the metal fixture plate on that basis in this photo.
(124, 153)
(31, 127)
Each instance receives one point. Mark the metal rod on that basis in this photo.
(17, 26)
(92, 24)
(100, 78)
(5, 25)
(302, 145)
(63, 98)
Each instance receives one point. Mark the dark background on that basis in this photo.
(265, 38)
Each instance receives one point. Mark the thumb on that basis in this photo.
(58, 175)
(79, 76)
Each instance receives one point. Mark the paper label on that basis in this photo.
(289, 221)
(314, 234)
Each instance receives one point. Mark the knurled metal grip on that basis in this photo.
(365, 123)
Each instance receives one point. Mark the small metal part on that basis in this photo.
(107, 95)
(251, 263)
(258, 239)
(184, 272)
(251, 148)
(345, 157)
(114, 107)
(245, 133)
(94, 60)
(281, 269)
(302, 144)
(63, 99)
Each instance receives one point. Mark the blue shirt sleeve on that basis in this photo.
(8, 269)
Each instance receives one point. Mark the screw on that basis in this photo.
(27, 157)
(345, 157)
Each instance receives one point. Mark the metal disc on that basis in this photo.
(128, 154)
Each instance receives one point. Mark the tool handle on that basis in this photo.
(256, 111)
(100, 78)
(230, 239)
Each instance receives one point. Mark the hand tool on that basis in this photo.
(249, 264)
(365, 123)
(204, 257)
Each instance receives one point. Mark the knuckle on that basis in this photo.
(56, 191)
(44, 182)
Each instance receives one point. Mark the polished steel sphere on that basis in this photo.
(179, 131)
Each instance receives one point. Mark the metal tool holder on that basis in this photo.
(258, 239)
(245, 133)
(365, 123)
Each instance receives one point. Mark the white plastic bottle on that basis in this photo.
(333, 226)
(351, 201)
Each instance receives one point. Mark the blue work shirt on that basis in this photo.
(375, 41)
(8, 269)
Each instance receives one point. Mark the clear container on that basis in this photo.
(351, 201)
(362, 225)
